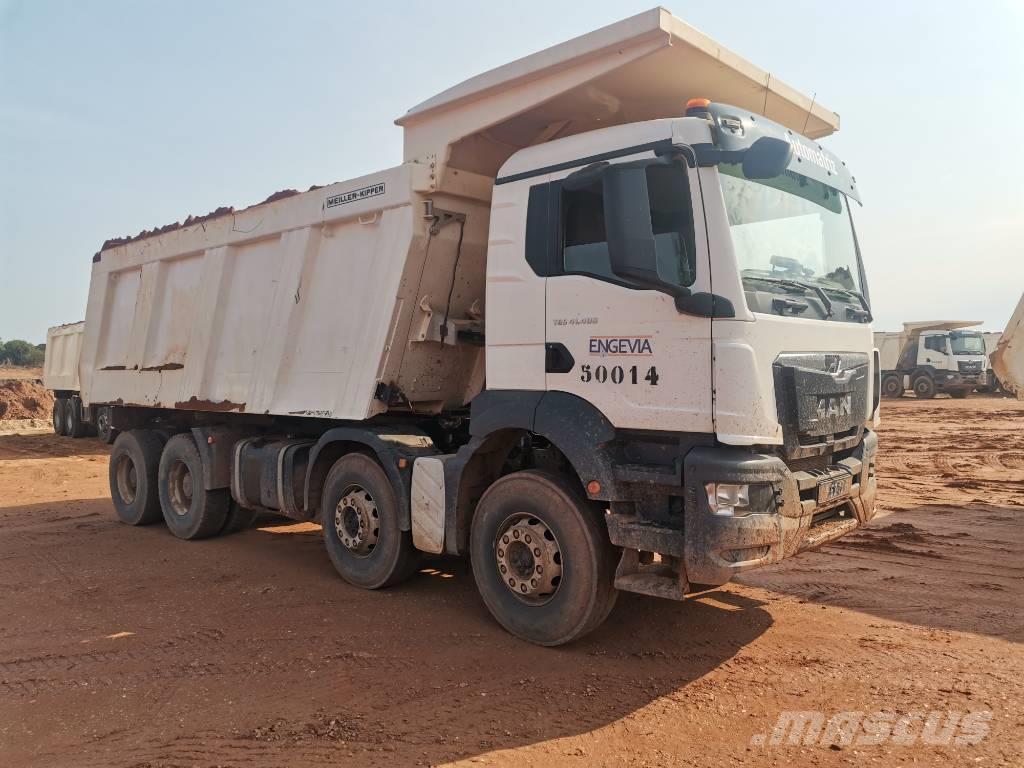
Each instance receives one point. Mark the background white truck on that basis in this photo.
(934, 357)
(595, 332)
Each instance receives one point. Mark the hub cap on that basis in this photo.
(528, 559)
(180, 488)
(127, 480)
(356, 521)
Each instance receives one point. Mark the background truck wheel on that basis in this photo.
(58, 415)
(104, 430)
(892, 386)
(359, 514)
(959, 394)
(190, 511)
(541, 558)
(75, 427)
(134, 462)
(924, 387)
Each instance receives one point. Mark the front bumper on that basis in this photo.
(950, 380)
(785, 515)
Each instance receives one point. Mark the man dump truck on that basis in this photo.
(1008, 356)
(71, 417)
(596, 332)
(931, 358)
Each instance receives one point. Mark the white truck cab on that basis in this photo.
(930, 358)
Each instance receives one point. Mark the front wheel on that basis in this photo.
(359, 515)
(542, 559)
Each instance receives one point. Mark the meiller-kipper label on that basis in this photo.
(354, 195)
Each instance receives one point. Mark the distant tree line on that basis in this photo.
(18, 352)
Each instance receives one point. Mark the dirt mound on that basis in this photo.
(25, 400)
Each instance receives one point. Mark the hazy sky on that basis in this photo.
(118, 116)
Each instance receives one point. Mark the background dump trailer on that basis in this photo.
(60, 375)
(410, 358)
(1008, 357)
(931, 358)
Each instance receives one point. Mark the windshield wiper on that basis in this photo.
(803, 286)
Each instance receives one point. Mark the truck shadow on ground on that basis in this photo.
(46, 445)
(947, 567)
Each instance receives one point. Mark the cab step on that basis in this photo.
(664, 579)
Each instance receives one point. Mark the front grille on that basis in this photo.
(969, 367)
(810, 463)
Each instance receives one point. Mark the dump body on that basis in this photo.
(1008, 357)
(324, 304)
(63, 350)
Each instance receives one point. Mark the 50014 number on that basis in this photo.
(617, 374)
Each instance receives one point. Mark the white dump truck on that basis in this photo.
(933, 357)
(71, 417)
(605, 328)
(1008, 355)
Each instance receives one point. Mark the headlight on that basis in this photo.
(728, 499)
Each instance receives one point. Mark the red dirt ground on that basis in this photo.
(122, 646)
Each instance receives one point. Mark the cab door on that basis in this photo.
(625, 349)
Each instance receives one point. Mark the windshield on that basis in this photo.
(967, 345)
(790, 228)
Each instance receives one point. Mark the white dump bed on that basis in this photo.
(889, 345)
(1008, 358)
(63, 350)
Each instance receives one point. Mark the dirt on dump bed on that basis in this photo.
(24, 399)
(902, 644)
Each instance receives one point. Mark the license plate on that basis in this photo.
(835, 488)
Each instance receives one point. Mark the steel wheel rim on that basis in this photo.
(127, 479)
(180, 487)
(102, 421)
(357, 521)
(528, 558)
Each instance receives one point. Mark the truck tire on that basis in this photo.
(237, 519)
(75, 427)
(892, 386)
(104, 429)
(58, 415)
(190, 511)
(359, 515)
(959, 394)
(924, 387)
(542, 559)
(134, 463)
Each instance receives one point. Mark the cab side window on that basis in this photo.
(584, 243)
(935, 343)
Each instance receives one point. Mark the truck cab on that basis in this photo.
(940, 357)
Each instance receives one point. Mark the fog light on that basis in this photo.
(728, 499)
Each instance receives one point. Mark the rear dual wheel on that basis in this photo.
(892, 386)
(59, 415)
(190, 511)
(133, 470)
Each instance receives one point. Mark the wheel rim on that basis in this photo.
(180, 488)
(127, 479)
(528, 558)
(357, 521)
(103, 421)
(891, 386)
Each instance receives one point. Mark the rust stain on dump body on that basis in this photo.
(164, 367)
(195, 404)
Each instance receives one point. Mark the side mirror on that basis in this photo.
(627, 217)
(767, 158)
